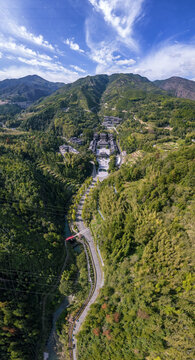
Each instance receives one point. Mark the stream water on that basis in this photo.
(51, 347)
(51, 344)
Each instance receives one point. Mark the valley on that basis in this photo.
(112, 155)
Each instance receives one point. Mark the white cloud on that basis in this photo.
(113, 68)
(170, 60)
(74, 46)
(23, 33)
(10, 46)
(121, 16)
(42, 63)
(77, 68)
(50, 66)
(102, 53)
(126, 62)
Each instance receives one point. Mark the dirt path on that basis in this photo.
(147, 126)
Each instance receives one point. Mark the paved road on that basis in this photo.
(99, 273)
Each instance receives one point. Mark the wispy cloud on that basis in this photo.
(102, 53)
(28, 51)
(170, 59)
(23, 33)
(43, 63)
(10, 46)
(121, 16)
(51, 66)
(10, 26)
(125, 62)
(78, 68)
(73, 45)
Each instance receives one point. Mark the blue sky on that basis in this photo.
(63, 40)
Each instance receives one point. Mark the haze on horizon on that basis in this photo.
(69, 39)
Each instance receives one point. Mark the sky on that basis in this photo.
(63, 40)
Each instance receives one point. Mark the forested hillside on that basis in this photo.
(36, 187)
(70, 110)
(158, 120)
(145, 310)
(18, 94)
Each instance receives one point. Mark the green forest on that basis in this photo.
(36, 188)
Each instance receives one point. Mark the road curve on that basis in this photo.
(98, 270)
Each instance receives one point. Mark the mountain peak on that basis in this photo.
(27, 89)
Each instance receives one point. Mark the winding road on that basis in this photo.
(99, 276)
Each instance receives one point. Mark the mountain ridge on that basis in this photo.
(84, 103)
(178, 86)
(82, 100)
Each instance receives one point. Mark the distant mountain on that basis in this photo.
(26, 90)
(84, 103)
(178, 87)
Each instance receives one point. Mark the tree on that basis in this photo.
(67, 280)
